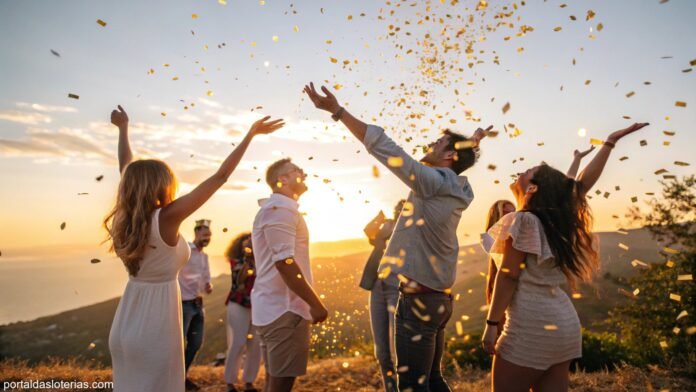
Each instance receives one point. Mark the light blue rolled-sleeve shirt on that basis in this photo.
(424, 245)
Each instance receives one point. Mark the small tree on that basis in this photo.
(659, 325)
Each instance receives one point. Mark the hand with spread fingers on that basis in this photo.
(265, 127)
(614, 137)
(327, 103)
(582, 154)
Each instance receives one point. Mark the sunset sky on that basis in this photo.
(237, 61)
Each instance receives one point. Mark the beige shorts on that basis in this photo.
(285, 345)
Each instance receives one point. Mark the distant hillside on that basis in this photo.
(83, 332)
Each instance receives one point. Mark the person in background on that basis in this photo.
(384, 295)
(240, 334)
(194, 281)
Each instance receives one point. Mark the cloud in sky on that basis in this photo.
(46, 108)
(24, 117)
(65, 142)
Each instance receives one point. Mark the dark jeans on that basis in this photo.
(383, 300)
(420, 340)
(194, 318)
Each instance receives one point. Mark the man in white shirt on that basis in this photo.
(194, 280)
(283, 301)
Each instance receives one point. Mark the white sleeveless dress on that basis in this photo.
(146, 339)
(542, 327)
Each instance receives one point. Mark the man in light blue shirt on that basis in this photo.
(423, 249)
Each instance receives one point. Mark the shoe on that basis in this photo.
(191, 386)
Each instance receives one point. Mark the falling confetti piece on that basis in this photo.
(73, 96)
(623, 246)
(95, 261)
(679, 163)
(296, 28)
(596, 142)
(375, 171)
(550, 327)
(276, 38)
(675, 297)
(643, 143)
(683, 314)
(395, 161)
(680, 104)
(639, 264)
(194, 16)
(101, 23)
(55, 53)
(62, 226)
(685, 277)
(222, 2)
(506, 107)
(210, 93)
(630, 94)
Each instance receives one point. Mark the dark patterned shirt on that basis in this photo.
(241, 292)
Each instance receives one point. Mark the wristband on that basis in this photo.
(493, 323)
(337, 116)
(610, 144)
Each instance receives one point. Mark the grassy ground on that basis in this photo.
(358, 375)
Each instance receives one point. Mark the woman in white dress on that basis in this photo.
(546, 243)
(145, 341)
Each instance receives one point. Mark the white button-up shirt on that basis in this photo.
(279, 232)
(195, 274)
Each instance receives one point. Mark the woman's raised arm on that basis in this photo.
(120, 119)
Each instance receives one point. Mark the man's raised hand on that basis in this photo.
(327, 103)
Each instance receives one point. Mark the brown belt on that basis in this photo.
(414, 287)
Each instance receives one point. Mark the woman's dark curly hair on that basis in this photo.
(236, 249)
(567, 222)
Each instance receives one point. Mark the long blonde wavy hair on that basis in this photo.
(145, 186)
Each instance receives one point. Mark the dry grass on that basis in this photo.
(358, 375)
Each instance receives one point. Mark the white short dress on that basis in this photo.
(146, 338)
(542, 327)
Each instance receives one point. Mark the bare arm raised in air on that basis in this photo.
(590, 174)
(174, 213)
(575, 165)
(120, 119)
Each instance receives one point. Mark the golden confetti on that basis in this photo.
(679, 163)
(623, 246)
(675, 297)
(210, 93)
(375, 171)
(194, 16)
(395, 161)
(685, 277)
(296, 29)
(506, 107)
(683, 314)
(596, 142)
(550, 327)
(680, 104)
(670, 250)
(630, 94)
(101, 23)
(276, 38)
